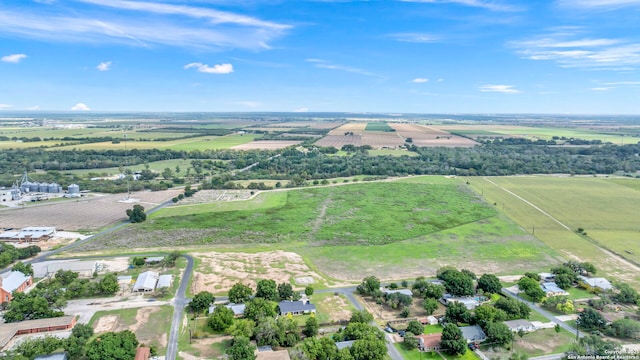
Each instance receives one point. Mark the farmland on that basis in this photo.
(430, 136)
(603, 207)
(195, 143)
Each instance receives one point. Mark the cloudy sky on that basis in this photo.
(411, 56)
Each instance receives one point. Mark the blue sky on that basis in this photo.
(412, 56)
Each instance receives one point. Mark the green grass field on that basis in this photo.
(196, 143)
(157, 166)
(391, 152)
(355, 214)
(378, 126)
(606, 210)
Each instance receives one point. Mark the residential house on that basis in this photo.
(547, 277)
(601, 284)
(56, 356)
(273, 355)
(429, 320)
(398, 291)
(552, 289)
(238, 309)
(429, 342)
(296, 307)
(15, 281)
(520, 324)
(469, 302)
(473, 333)
(146, 282)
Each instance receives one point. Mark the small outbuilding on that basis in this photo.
(164, 281)
(146, 282)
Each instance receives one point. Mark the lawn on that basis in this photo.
(415, 354)
(605, 209)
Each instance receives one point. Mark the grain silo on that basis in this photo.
(25, 187)
(43, 187)
(73, 189)
(33, 187)
(54, 188)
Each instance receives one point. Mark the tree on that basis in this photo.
(268, 332)
(410, 341)
(361, 316)
(323, 348)
(485, 314)
(626, 294)
(593, 345)
(221, 318)
(267, 289)
(257, 308)
(137, 261)
(241, 349)
(456, 312)
(458, 283)
(564, 281)
(369, 286)
(137, 214)
(201, 301)
(415, 327)
(167, 173)
(565, 307)
(525, 283)
(427, 289)
(30, 306)
(170, 260)
(308, 290)
(311, 327)
(513, 308)
(452, 341)
(115, 346)
(430, 305)
(285, 291)
(369, 348)
(624, 328)
(240, 293)
(109, 284)
(242, 327)
(489, 283)
(590, 319)
(498, 334)
(26, 269)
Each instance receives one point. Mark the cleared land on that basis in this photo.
(89, 213)
(605, 209)
(422, 135)
(217, 272)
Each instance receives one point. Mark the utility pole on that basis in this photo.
(126, 166)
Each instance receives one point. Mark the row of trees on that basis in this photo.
(9, 253)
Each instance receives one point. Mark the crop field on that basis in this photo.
(378, 126)
(535, 133)
(266, 145)
(196, 143)
(354, 127)
(553, 208)
(338, 141)
(422, 135)
(381, 139)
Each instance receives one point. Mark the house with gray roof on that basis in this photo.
(296, 307)
(601, 284)
(552, 289)
(238, 309)
(164, 281)
(473, 333)
(520, 324)
(344, 344)
(398, 291)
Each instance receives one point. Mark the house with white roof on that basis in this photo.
(146, 282)
(601, 284)
(14, 281)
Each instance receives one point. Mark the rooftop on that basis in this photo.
(146, 280)
(473, 333)
(13, 281)
(345, 344)
(8, 331)
(295, 306)
(273, 355)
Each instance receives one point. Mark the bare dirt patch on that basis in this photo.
(88, 213)
(208, 196)
(142, 316)
(106, 323)
(339, 308)
(218, 272)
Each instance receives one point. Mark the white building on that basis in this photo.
(146, 282)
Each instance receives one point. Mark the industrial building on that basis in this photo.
(29, 234)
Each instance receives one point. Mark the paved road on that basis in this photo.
(541, 311)
(549, 357)
(179, 302)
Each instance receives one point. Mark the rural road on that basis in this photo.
(541, 311)
(179, 302)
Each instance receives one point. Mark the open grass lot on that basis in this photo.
(604, 208)
(196, 143)
(149, 324)
(332, 307)
(537, 343)
(28, 145)
(354, 214)
(416, 355)
(157, 166)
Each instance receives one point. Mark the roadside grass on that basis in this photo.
(605, 210)
(536, 316)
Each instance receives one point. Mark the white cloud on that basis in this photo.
(420, 80)
(568, 49)
(104, 66)
(488, 5)
(14, 58)
(600, 4)
(139, 23)
(301, 109)
(623, 83)
(215, 69)
(323, 64)
(505, 89)
(5, 106)
(601, 88)
(415, 37)
(36, 107)
(80, 107)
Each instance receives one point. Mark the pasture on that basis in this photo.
(553, 208)
(535, 133)
(195, 143)
(156, 166)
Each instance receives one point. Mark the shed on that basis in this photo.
(153, 260)
(238, 309)
(545, 276)
(473, 333)
(143, 353)
(164, 281)
(125, 279)
(146, 282)
(82, 267)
